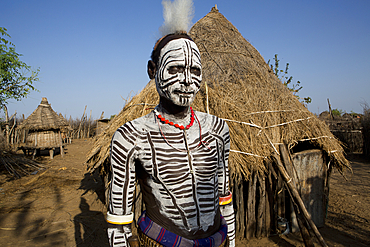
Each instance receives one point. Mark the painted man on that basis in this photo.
(180, 158)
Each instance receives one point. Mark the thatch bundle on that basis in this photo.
(17, 165)
(260, 111)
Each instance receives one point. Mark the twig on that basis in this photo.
(249, 124)
(293, 121)
(235, 151)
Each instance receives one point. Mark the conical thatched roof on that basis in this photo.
(224, 50)
(44, 118)
(65, 127)
(260, 111)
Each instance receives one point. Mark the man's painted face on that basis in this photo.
(179, 72)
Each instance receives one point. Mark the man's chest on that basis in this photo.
(180, 157)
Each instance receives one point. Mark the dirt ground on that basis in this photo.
(60, 206)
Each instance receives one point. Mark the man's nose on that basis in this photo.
(187, 75)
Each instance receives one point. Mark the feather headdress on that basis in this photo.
(177, 16)
(177, 21)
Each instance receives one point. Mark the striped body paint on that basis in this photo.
(182, 173)
(181, 182)
(179, 72)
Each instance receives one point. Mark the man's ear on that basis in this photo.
(152, 69)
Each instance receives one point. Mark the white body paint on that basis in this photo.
(181, 178)
(181, 87)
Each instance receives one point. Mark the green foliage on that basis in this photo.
(14, 82)
(337, 112)
(282, 75)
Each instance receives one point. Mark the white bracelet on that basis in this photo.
(120, 219)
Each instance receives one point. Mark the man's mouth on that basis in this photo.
(187, 94)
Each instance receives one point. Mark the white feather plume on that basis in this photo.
(177, 16)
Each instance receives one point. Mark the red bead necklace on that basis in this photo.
(181, 127)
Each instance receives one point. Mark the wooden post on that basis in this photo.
(261, 206)
(11, 132)
(61, 145)
(89, 123)
(293, 174)
(34, 153)
(237, 213)
(207, 100)
(51, 152)
(251, 214)
(280, 197)
(79, 127)
(240, 214)
(330, 111)
(303, 227)
(297, 199)
(6, 125)
(298, 218)
(270, 219)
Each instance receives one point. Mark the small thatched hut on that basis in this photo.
(365, 121)
(101, 124)
(262, 114)
(42, 130)
(347, 128)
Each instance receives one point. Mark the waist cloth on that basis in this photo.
(164, 237)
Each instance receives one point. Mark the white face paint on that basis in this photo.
(179, 72)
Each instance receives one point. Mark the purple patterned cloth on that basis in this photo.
(169, 239)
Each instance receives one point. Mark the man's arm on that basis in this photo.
(122, 186)
(226, 204)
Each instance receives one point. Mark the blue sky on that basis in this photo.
(95, 53)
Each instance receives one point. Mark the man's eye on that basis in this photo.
(195, 71)
(176, 69)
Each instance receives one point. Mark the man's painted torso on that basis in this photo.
(177, 170)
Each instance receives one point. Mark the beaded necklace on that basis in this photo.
(181, 127)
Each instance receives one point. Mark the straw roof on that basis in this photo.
(239, 87)
(44, 118)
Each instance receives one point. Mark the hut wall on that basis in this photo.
(100, 125)
(353, 139)
(43, 139)
(254, 205)
(366, 132)
(348, 131)
(263, 205)
(310, 166)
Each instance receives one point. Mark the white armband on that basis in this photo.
(120, 219)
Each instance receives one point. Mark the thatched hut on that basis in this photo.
(365, 121)
(347, 128)
(42, 130)
(101, 124)
(65, 131)
(262, 114)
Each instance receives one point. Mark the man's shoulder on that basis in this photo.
(207, 116)
(140, 124)
(211, 121)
